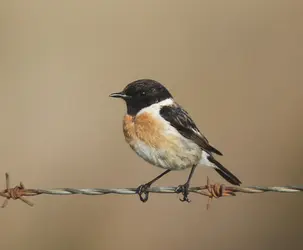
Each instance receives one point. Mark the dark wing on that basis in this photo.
(181, 121)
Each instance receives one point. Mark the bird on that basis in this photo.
(162, 132)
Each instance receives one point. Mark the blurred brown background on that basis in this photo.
(235, 65)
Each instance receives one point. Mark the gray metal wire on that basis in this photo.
(209, 190)
(159, 190)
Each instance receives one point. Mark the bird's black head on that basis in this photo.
(141, 94)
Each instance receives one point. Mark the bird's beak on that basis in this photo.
(119, 95)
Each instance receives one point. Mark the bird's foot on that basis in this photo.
(142, 192)
(183, 189)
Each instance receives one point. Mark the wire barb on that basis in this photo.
(209, 190)
(13, 193)
(214, 191)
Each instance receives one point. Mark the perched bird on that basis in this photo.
(161, 132)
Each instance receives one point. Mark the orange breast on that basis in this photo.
(144, 128)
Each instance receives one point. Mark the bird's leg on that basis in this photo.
(184, 188)
(142, 189)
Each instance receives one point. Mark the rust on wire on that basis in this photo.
(214, 191)
(14, 193)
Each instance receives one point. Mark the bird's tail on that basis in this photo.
(225, 173)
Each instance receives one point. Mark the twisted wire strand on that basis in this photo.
(159, 190)
(209, 190)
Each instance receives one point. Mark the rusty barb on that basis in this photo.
(210, 190)
(214, 191)
(14, 193)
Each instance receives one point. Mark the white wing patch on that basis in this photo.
(205, 162)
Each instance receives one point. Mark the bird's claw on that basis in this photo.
(183, 189)
(142, 192)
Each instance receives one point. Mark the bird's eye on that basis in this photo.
(143, 93)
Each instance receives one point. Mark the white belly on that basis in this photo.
(177, 156)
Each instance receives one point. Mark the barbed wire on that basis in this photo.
(209, 190)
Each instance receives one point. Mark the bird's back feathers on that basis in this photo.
(180, 120)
